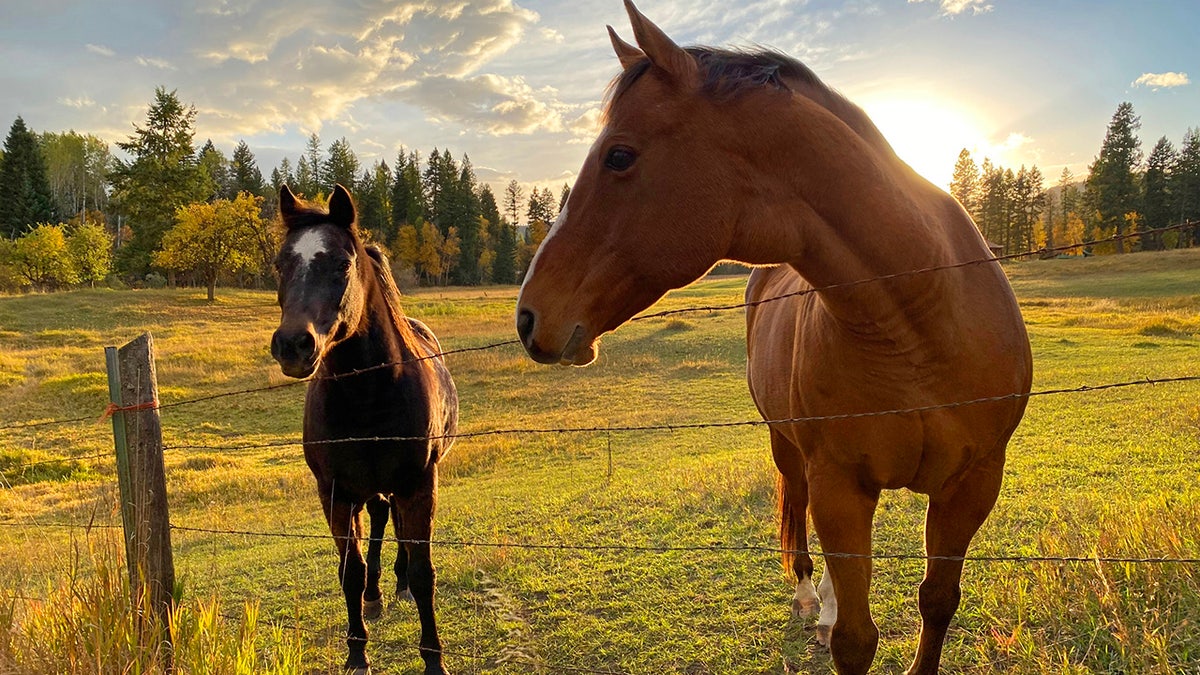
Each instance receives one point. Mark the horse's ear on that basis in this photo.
(660, 49)
(626, 53)
(287, 201)
(341, 207)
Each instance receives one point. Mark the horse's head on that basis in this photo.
(320, 288)
(652, 208)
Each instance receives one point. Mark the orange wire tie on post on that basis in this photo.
(112, 408)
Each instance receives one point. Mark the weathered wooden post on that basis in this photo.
(137, 436)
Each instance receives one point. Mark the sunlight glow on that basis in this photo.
(928, 134)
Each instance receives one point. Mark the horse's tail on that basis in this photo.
(791, 529)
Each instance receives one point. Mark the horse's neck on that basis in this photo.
(382, 336)
(844, 212)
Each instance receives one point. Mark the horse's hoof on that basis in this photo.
(404, 596)
(805, 602)
(360, 670)
(803, 608)
(823, 633)
(372, 609)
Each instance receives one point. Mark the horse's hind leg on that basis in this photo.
(401, 566)
(950, 523)
(793, 523)
(417, 520)
(377, 509)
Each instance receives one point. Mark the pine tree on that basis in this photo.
(215, 168)
(309, 181)
(1112, 179)
(501, 237)
(26, 195)
(374, 197)
(1156, 193)
(512, 202)
(964, 185)
(408, 196)
(465, 218)
(563, 196)
(162, 176)
(341, 166)
(1185, 186)
(244, 173)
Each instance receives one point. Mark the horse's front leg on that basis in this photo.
(377, 509)
(417, 519)
(345, 523)
(401, 566)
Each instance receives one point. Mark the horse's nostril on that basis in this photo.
(304, 342)
(525, 323)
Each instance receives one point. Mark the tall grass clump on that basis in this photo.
(87, 625)
(1116, 617)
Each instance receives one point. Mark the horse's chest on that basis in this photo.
(368, 445)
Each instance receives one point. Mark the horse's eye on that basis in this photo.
(344, 265)
(620, 158)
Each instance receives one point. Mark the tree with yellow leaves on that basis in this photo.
(211, 239)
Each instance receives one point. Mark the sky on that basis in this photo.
(518, 84)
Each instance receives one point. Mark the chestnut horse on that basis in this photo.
(378, 375)
(710, 155)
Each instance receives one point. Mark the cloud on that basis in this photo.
(492, 104)
(152, 62)
(100, 49)
(956, 7)
(80, 102)
(1162, 80)
(303, 63)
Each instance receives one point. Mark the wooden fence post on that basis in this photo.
(137, 436)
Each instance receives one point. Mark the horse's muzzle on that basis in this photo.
(295, 351)
(575, 352)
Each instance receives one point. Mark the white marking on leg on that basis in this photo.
(806, 601)
(828, 608)
(562, 218)
(310, 243)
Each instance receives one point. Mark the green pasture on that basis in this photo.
(1110, 473)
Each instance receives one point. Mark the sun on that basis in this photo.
(928, 133)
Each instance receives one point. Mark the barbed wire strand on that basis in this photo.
(59, 460)
(681, 426)
(655, 315)
(707, 548)
(712, 308)
(656, 548)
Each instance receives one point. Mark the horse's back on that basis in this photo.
(431, 349)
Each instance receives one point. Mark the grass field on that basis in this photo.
(1111, 474)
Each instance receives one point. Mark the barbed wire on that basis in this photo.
(681, 426)
(710, 308)
(909, 273)
(705, 548)
(642, 317)
(653, 548)
(58, 460)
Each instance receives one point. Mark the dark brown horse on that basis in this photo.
(709, 155)
(341, 315)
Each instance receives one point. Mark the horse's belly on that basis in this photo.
(797, 370)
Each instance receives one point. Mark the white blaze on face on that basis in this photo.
(562, 218)
(308, 246)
